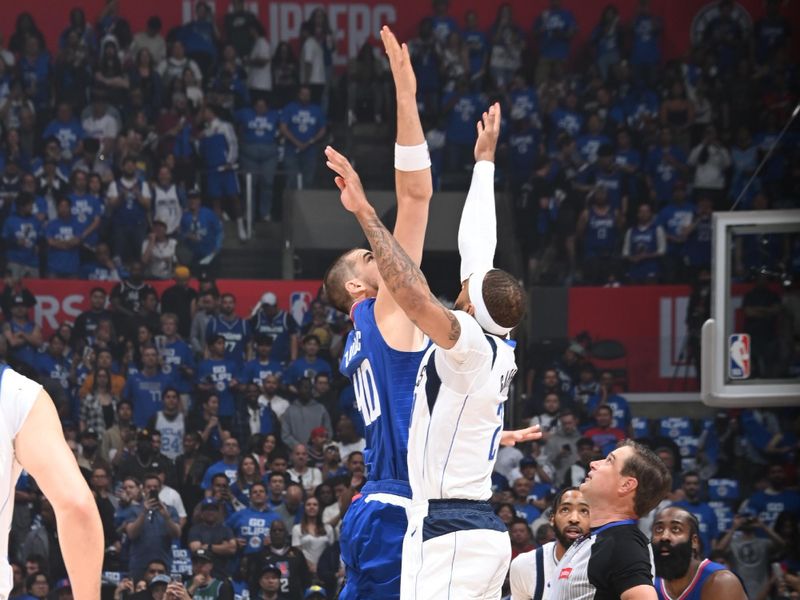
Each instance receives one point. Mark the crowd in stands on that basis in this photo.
(615, 157)
(225, 450)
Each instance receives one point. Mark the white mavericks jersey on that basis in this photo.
(17, 396)
(532, 573)
(457, 416)
(167, 206)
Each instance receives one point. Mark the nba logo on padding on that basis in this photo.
(739, 363)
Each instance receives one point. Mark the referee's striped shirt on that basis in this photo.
(613, 558)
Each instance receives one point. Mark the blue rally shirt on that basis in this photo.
(303, 120)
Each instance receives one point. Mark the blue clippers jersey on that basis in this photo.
(695, 589)
(383, 379)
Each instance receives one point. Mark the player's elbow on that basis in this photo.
(76, 507)
(415, 188)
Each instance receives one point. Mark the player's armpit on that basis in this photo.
(640, 592)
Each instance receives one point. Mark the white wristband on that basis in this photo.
(412, 158)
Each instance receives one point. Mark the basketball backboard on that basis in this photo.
(750, 354)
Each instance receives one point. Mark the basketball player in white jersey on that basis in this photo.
(532, 572)
(31, 438)
(455, 546)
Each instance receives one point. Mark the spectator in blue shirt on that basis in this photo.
(645, 52)
(675, 218)
(462, 109)
(697, 248)
(426, 59)
(771, 32)
(259, 127)
(63, 240)
(607, 40)
(590, 143)
(22, 233)
(768, 503)
(145, 387)
(598, 230)
(523, 100)
(666, 164)
(304, 125)
(629, 162)
(443, 24)
(128, 200)
(228, 466)
(233, 328)
(199, 37)
(67, 130)
(219, 150)
(566, 119)
(621, 411)
(269, 319)
(218, 375)
(35, 70)
(177, 358)
(251, 525)
(644, 246)
(51, 363)
(151, 528)
(201, 232)
(307, 366)
(706, 517)
(524, 148)
(262, 365)
(86, 209)
(477, 49)
(554, 29)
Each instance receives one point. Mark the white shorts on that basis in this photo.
(454, 549)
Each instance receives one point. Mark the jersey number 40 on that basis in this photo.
(366, 391)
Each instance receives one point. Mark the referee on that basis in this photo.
(615, 560)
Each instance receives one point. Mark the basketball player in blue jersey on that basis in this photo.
(463, 381)
(382, 357)
(680, 574)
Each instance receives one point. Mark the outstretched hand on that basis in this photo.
(399, 62)
(488, 133)
(518, 436)
(347, 180)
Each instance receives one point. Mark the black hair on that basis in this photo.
(557, 498)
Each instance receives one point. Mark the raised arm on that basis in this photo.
(401, 275)
(414, 189)
(477, 231)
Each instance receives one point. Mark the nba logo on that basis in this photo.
(739, 362)
(299, 303)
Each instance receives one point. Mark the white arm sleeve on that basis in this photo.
(17, 397)
(477, 232)
(466, 366)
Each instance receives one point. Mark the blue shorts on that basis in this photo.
(372, 541)
(222, 184)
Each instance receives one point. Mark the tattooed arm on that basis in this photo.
(400, 274)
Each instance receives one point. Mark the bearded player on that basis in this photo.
(680, 574)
